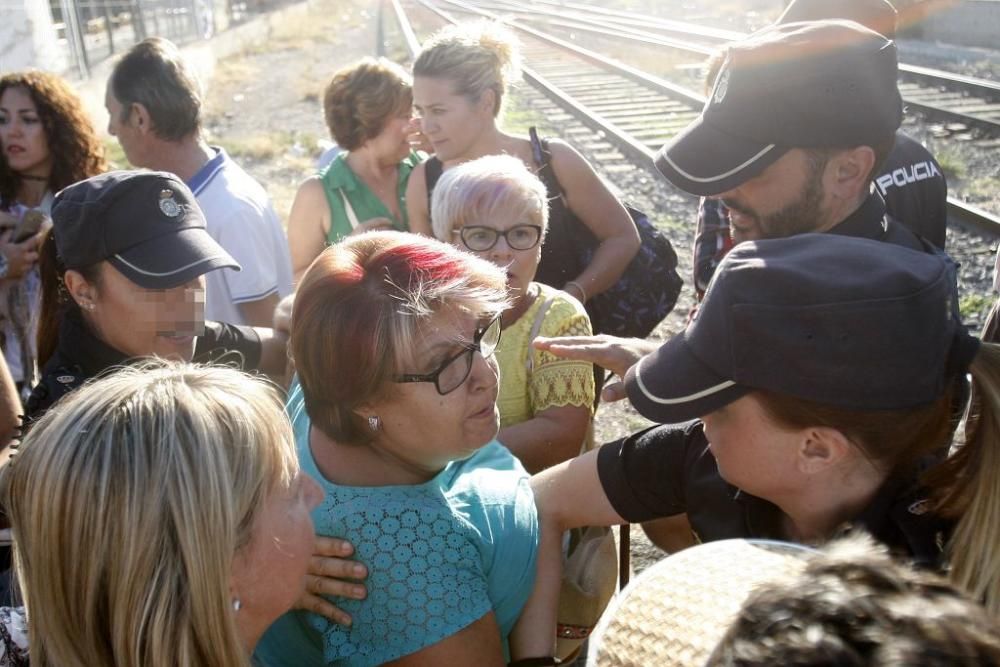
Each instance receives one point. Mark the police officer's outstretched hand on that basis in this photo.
(610, 352)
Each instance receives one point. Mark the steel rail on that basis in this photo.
(410, 37)
(935, 77)
(959, 211)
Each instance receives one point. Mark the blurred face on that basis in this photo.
(391, 145)
(451, 122)
(426, 430)
(752, 451)
(269, 572)
(124, 130)
(141, 322)
(22, 137)
(516, 248)
(784, 200)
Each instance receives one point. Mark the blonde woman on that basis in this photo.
(159, 519)
(460, 79)
(495, 208)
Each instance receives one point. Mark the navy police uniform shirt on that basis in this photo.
(669, 470)
(910, 182)
(915, 189)
(81, 356)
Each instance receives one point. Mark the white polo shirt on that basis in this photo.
(241, 218)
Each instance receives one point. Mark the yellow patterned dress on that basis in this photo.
(532, 380)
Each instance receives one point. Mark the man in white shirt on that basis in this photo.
(154, 104)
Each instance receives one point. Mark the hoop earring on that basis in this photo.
(374, 423)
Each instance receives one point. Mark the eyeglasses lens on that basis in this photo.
(454, 374)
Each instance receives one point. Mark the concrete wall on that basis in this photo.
(969, 23)
(28, 37)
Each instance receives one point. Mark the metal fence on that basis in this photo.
(95, 30)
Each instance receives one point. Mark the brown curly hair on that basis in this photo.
(362, 97)
(68, 129)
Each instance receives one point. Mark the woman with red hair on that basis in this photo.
(395, 414)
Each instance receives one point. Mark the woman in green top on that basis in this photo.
(368, 110)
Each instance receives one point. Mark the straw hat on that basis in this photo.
(675, 613)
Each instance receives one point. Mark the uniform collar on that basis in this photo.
(868, 221)
(899, 516)
(78, 345)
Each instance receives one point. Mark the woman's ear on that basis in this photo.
(488, 102)
(81, 291)
(822, 447)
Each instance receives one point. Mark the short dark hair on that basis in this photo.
(857, 607)
(153, 73)
(361, 98)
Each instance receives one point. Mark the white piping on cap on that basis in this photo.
(711, 179)
(168, 273)
(682, 399)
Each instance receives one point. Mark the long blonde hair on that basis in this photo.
(128, 502)
(969, 483)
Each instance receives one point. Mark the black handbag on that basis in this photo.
(647, 290)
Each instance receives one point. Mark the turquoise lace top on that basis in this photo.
(440, 556)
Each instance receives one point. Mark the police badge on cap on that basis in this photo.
(168, 204)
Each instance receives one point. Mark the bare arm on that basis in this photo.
(259, 313)
(416, 201)
(589, 198)
(534, 633)
(10, 409)
(567, 496)
(570, 495)
(273, 352)
(609, 352)
(552, 436)
(476, 644)
(308, 225)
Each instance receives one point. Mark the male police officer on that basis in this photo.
(910, 179)
(801, 117)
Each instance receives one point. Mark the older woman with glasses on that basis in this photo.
(497, 209)
(395, 415)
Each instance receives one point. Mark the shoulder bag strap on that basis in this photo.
(543, 158)
(536, 326)
(433, 168)
(348, 209)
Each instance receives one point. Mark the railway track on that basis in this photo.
(633, 109)
(938, 94)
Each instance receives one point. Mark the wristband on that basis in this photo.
(578, 286)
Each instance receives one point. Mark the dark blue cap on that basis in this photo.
(146, 223)
(821, 84)
(841, 321)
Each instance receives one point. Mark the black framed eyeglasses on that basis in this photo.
(453, 371)
(518, 237)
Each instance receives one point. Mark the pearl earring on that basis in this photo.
(237, 604)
